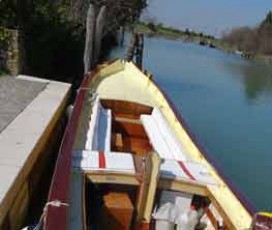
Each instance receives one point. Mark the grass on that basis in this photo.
(187, 35)
(2, 72)
(141, 27)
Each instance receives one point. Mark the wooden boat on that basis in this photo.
(128, 161)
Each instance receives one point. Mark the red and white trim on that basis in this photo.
(192, 171)
(99, 161)
(124, 163)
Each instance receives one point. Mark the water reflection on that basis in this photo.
(257, 80)
(255, 76)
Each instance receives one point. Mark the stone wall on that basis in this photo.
(4, 35)
(11, 51)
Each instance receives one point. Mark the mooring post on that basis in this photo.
(136, 49)
(139, 50)
(131, 48)
(90, 28)
(122, 35)
(98, 35)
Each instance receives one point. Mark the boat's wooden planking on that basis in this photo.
(140, 89)
(137, 87)
(112, 178)
(130, 137)
(148, 187)
(183, 186)
(76, 214)
(127, 109)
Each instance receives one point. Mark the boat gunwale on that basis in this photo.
(211, 160)
(60, 182)
(59, 186)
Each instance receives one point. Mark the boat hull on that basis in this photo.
(123, 81)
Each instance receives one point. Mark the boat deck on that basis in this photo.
(175, 163)
(120, 139)
(149, 93)
(30, 108)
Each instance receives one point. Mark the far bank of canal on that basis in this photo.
(227, 102)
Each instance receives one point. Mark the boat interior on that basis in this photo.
(133, 173)
(128, 134)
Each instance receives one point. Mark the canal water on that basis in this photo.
(227, 102)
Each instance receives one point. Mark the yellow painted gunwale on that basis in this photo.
(122, 80)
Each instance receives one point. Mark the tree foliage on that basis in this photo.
(54, 31)
(253, 40)
(52, 44)
(268, 19)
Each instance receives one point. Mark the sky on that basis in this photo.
(209, 16)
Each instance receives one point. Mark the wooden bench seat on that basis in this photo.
(162, 137)
(99, 133)
(186, 171)
(87, 160)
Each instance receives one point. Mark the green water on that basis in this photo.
(227, 102)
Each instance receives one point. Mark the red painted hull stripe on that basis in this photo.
(102, 160)
(187, 172)
(56, 217)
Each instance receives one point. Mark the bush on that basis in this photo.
(252, 40)
(4, 36)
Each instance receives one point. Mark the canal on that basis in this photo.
(226, 101)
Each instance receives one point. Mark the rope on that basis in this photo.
(54, 203)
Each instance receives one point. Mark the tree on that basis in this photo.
(268, 19)
(253, 40)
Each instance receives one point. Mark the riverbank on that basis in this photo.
(264, 59)
(159, 30)
(254, 42)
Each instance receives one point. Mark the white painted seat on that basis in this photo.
(177, 149)
(99, 133)
(190, 171)
(85, 160)
(155, 137)
(162, 137)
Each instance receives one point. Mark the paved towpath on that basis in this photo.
(29, 111)
(15, 95)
